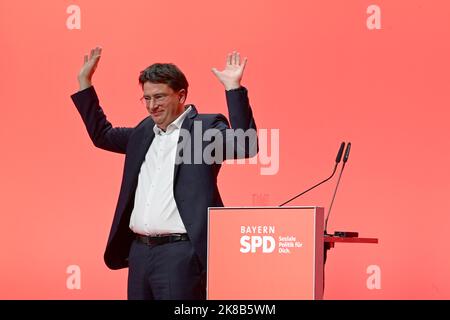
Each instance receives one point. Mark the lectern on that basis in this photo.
(267, 253)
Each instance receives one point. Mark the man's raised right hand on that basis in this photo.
(88, 68)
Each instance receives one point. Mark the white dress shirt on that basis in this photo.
(155, 210)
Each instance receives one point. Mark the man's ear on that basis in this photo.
(182, 95)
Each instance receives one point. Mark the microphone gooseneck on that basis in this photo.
(346, 155)
(338, 159)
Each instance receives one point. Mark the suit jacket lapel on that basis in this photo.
(187, 125)
(142, 149)
(147, 141)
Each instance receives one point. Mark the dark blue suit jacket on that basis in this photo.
(195, 185)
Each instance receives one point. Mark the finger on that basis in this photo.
(244, 63)
(238, 58)
(85, 58)
(229, 58)
(215, 71)
(98, 52)
(92, 53)
(233, 61)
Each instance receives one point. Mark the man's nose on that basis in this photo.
(152, 105)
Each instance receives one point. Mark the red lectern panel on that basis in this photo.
(265, 253)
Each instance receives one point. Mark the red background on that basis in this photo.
(315, 72)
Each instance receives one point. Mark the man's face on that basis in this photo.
(163, 104)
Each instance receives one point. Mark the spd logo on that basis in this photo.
(253, 244)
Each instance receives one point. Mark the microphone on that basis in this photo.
(347, 152)
(338, 159)
(339, 233)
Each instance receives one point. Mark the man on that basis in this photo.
(159, 228)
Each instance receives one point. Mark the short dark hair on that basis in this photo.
(167, 73)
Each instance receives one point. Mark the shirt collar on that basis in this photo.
(176, 124)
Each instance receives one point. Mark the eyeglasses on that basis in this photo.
(157, 98)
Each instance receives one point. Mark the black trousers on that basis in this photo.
(170, 271)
